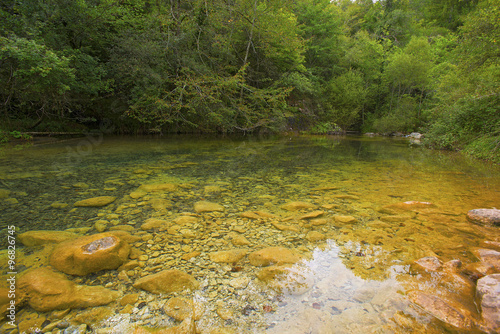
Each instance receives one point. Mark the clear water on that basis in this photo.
(356, 280)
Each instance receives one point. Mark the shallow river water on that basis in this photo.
(356, 240)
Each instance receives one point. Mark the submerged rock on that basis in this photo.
(273, 255)
(153, 223)
(294, 206)
(411, 205)
(4, 193)
(186, 327)
(90, 254)
(204, 206)
(96, 201)
(47, 290)
(488, 292)
(167, 281)
(38, 238)
(486, 217)
(229, 256)
(286, 279)
(452, 314)
(182, 308)
(157, 187)
(431, 263)
(487, 256)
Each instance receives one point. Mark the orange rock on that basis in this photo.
(167, 281)
(90, 254)
(96, 201)
(47, 290)
(229, 256)
(273, 255)
(294, 206)
(38, 238)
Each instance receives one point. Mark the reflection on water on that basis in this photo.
(355, 237)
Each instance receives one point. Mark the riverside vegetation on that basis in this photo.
(251, 66)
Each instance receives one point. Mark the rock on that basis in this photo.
(101, 225)
(411, 206)
(38, 238)
(224, 313)
(431, 263)
(229, 256)
(125, 236)
(153, 223)
(486, 217)
(488, 292)
(273, 255)
(415, 135)
(186, 327)
(487, 256)
(93, 316)
(314, 236)
(47, 290)
(239, 282)
(59, 205)
(4, 193)
(158, 187)
(294, 206)
(131, 298)
(183, 220)
(313, 214)
(182, 308)
(239, 240)
(319, 221)
(81, 185)
(352, 197)
(127, 228)
(479, 269)
(441, 309)
(256, 215)
(204, 206)
(345, 219)
(212, 189)
(160, 204)
(284, 227)
(96, 201)
(190, 255)
(286, 279)
(90, 254)
(167, 281)
(137, 194)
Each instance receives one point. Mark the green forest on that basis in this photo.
(254, 66)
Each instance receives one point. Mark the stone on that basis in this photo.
(239, 240)
(273, 255)
(182, 308)
(93, 316)
(441, 309)
(131, 298)
(183, 220)
(285, 227)
(96, 201)
(81, 185)
(153, 223)
(256, 215)
(345, 219)
(229, 256)
(47, 290)
(137, 194)
(240, 282)
(314, 236)
(313, 214)
(488, 256)
(160, 204)
(167, 281)
(158, 187)
(205, 206)
(186, 327)
(59, 205)
(127, 228)
(411, 206)
(101, 225)
(431, 263)
(190, 255)
(4, 193)
(294, 206)
(486, 217)
(318, 221)
(224, 313)
(287, 279)
(38, 238)
(90, 254)
(488, 292)
(480, 269)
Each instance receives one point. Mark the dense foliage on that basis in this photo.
(252, 65)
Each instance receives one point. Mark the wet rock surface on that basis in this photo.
(486, 217)
(488, 292)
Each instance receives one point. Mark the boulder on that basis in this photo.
(205, 206)
(47, 290)
(487, 256)
(167, 281)
(153, 223)
(90, 254)
(182, 308)
(431, 263)
(273, 255)
(488, 292)
(38, 238)
(450, 313)
(294, 206)
(96, 201)
(486, 217)
(229, 256)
